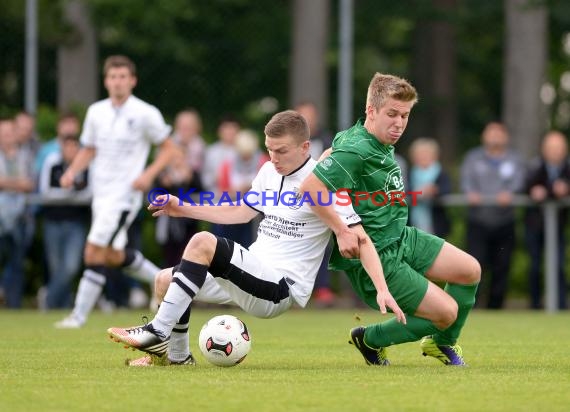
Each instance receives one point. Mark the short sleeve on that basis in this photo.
(156, 129)
(88, 133)
(346, 212)
(340, 170)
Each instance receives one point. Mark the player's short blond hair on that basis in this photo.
(289, 123)
(385, 86)
(119, 61)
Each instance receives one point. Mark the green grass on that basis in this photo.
(300, 361)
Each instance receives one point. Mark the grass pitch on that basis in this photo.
(518, 361)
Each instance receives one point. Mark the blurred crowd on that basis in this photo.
(29, 165)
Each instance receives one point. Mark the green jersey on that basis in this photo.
(363, 171)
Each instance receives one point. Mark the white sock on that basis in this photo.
(177, 299)
(142, 269)
(179, 345)
(89, 290)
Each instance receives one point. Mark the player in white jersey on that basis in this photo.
(277, 270)
(117, 136)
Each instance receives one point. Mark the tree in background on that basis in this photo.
(237, 56)
(524, 73)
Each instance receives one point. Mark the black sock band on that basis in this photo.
(100, 269)
(185, 318)
(183, 322)
(194, 272)
(130, 255)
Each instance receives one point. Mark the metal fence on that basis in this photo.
(550, 211)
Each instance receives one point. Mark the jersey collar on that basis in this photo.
(300, 167)
(376, 142)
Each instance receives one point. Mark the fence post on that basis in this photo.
(550, 212)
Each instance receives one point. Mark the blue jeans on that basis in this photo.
(12, 254)
(63, 244)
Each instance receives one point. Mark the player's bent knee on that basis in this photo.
(201, 246)
(449, 314)
(475, 271)
(161, 283)
(114, 258)
(472, 272)
(94, 255)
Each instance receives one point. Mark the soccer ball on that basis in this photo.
(224, 340)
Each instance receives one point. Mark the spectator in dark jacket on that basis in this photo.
(548, 178)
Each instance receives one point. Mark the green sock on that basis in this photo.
(464, 295)
(391, 332)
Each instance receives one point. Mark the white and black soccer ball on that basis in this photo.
(224, 340)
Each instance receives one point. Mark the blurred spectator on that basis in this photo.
(187, 129)
(492, 170)
(321, 139)
(64, 226)
(182, 173)
(28, 140)
(548, 178)
(68, 124)
(427, 176)
(217, 153)
(236, 175)
(15, 180)
(26, 133)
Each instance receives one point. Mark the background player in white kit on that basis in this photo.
(117, 135)
(277, 270)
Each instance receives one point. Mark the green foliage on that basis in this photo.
(480, 27)
(299, 361)
(51, 31)
(218, 56)
(226, 55)
(46, 122)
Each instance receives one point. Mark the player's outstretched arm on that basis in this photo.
(224, 214)
(373, 266)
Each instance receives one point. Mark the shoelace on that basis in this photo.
(381, 356)
(147, 327)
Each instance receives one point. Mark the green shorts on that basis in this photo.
(405, 264)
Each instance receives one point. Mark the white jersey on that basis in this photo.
(291, 237)
(122, 137)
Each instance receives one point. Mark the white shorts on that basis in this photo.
(238, 276)
(109, 226)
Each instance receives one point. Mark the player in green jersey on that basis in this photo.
(362, 168)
